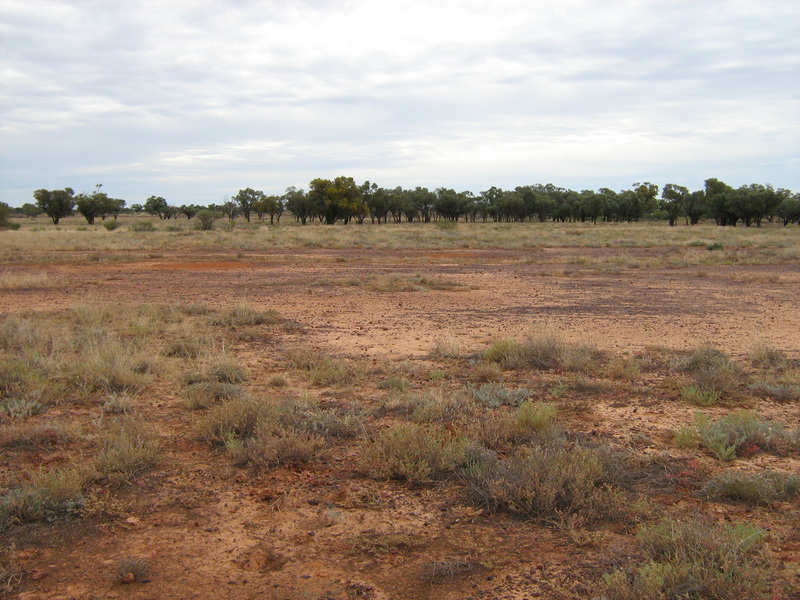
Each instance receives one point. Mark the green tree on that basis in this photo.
(673, 201)
(246, 198)
(718, 196)
(5, 216)
(269, 205)
(156, 205)
(31, 211)
(56, 204)
(337, 199)
(789, 210)
(299, 204)
(189, 210)
(694, 206)
(89, 206)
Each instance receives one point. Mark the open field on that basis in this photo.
(399, 411)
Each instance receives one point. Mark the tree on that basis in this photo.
(337, 199)
(55, 203)
(89, 206)
(156, 205)
(246, 198)
(113, 207)
(5, 215)
(31, 211)
(789, 210)
(674, 200)
(694, 206)
(718, 195)
(190, 210)
(298, 203)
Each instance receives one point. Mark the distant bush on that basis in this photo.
(112, 225)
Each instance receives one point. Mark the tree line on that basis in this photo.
(342, 200)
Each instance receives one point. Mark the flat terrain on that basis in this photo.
(404, 323)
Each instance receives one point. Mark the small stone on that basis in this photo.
(128, 578)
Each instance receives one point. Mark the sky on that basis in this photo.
(194, 100)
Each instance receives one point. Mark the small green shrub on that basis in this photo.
(413, 452)
(694, 560)
(111, 225)
(714, 246)
(752, 488)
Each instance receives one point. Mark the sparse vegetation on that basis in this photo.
(340, 433)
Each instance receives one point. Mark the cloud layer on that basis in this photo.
(192, 100)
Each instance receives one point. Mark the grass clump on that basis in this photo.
(442, 571)
(693, 560)
(740, 433)
(493, 395)
(48, 496)
(243, 315)
(540, 481)
(700, 395)
(782, 392)
(373, 543)
(133, 570)
(412, 452)
(10, 571)
(715, 375)
(128, 449)
(204, 394)
(543, 353)
(752, 488)
(273, 444)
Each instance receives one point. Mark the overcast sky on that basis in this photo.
(193, 100)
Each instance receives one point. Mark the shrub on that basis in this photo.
(624, 369)
(488, 371)
(693, 560)
(206, 218)
(740, 433)
(111, 225)
(752, 488)
(144, 226)
(413, 452)
(118, 403)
